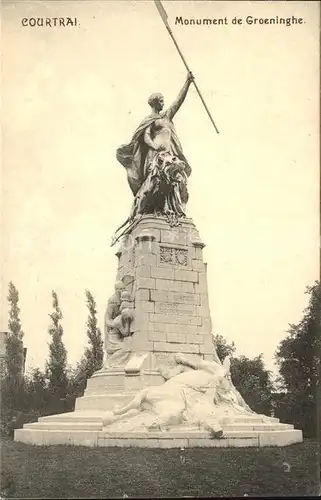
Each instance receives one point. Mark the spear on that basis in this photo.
(163, 14)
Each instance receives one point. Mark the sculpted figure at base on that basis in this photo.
(229, 396)
(156, 167)
(118, 319)
(187, 398)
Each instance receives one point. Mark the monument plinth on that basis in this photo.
(162, 383)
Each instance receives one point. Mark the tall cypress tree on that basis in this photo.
(92, 360)
(56, 367)
(94, 353)
(14, 358)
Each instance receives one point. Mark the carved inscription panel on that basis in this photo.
(174, 308)
(174, 256)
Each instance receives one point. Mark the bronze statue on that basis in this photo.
(157, 169)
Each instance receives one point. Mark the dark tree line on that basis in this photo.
(298, 358)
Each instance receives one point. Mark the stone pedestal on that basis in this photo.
(163, 270)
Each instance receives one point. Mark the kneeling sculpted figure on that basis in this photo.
(156, 167)
(118, 319)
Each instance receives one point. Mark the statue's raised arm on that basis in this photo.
(172, 110)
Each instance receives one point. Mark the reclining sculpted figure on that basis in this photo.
(187, 397)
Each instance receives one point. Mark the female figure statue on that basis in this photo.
(157, 169)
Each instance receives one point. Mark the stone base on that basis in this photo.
(85, 428)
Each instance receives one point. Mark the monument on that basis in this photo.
(162, 383)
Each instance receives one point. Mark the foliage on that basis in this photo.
(14, 346)
(92, 359)
(77, 380)
(56, 367)
(37, 393)
(223, 348)
(94, 353)
(254, 383)
(298, 358)
(12, 383)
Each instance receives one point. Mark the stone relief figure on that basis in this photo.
(188, 398)
(118, 319)
(157, 169)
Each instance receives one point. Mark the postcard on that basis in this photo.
(160, 326)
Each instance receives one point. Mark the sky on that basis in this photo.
(72, 95)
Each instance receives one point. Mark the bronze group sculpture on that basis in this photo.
(157, 169)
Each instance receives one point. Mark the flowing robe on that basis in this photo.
(137, 155)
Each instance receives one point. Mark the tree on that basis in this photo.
(37, 392)
(254, 382)
(298, 358)
(56, 367)
(223, 348)
(94, 353)
(249, 376)
(92, 359)
(14, 355)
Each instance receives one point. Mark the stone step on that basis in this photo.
(255, 418)
(236, 433)
(191, 439)
(96, 418)
(101, 402)
(257, 427)
(93, 421)
(74, 417)
(68, 426)
(201, 439)
(43, 437)
(185, 433)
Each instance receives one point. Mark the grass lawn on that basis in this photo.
(78, 472)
